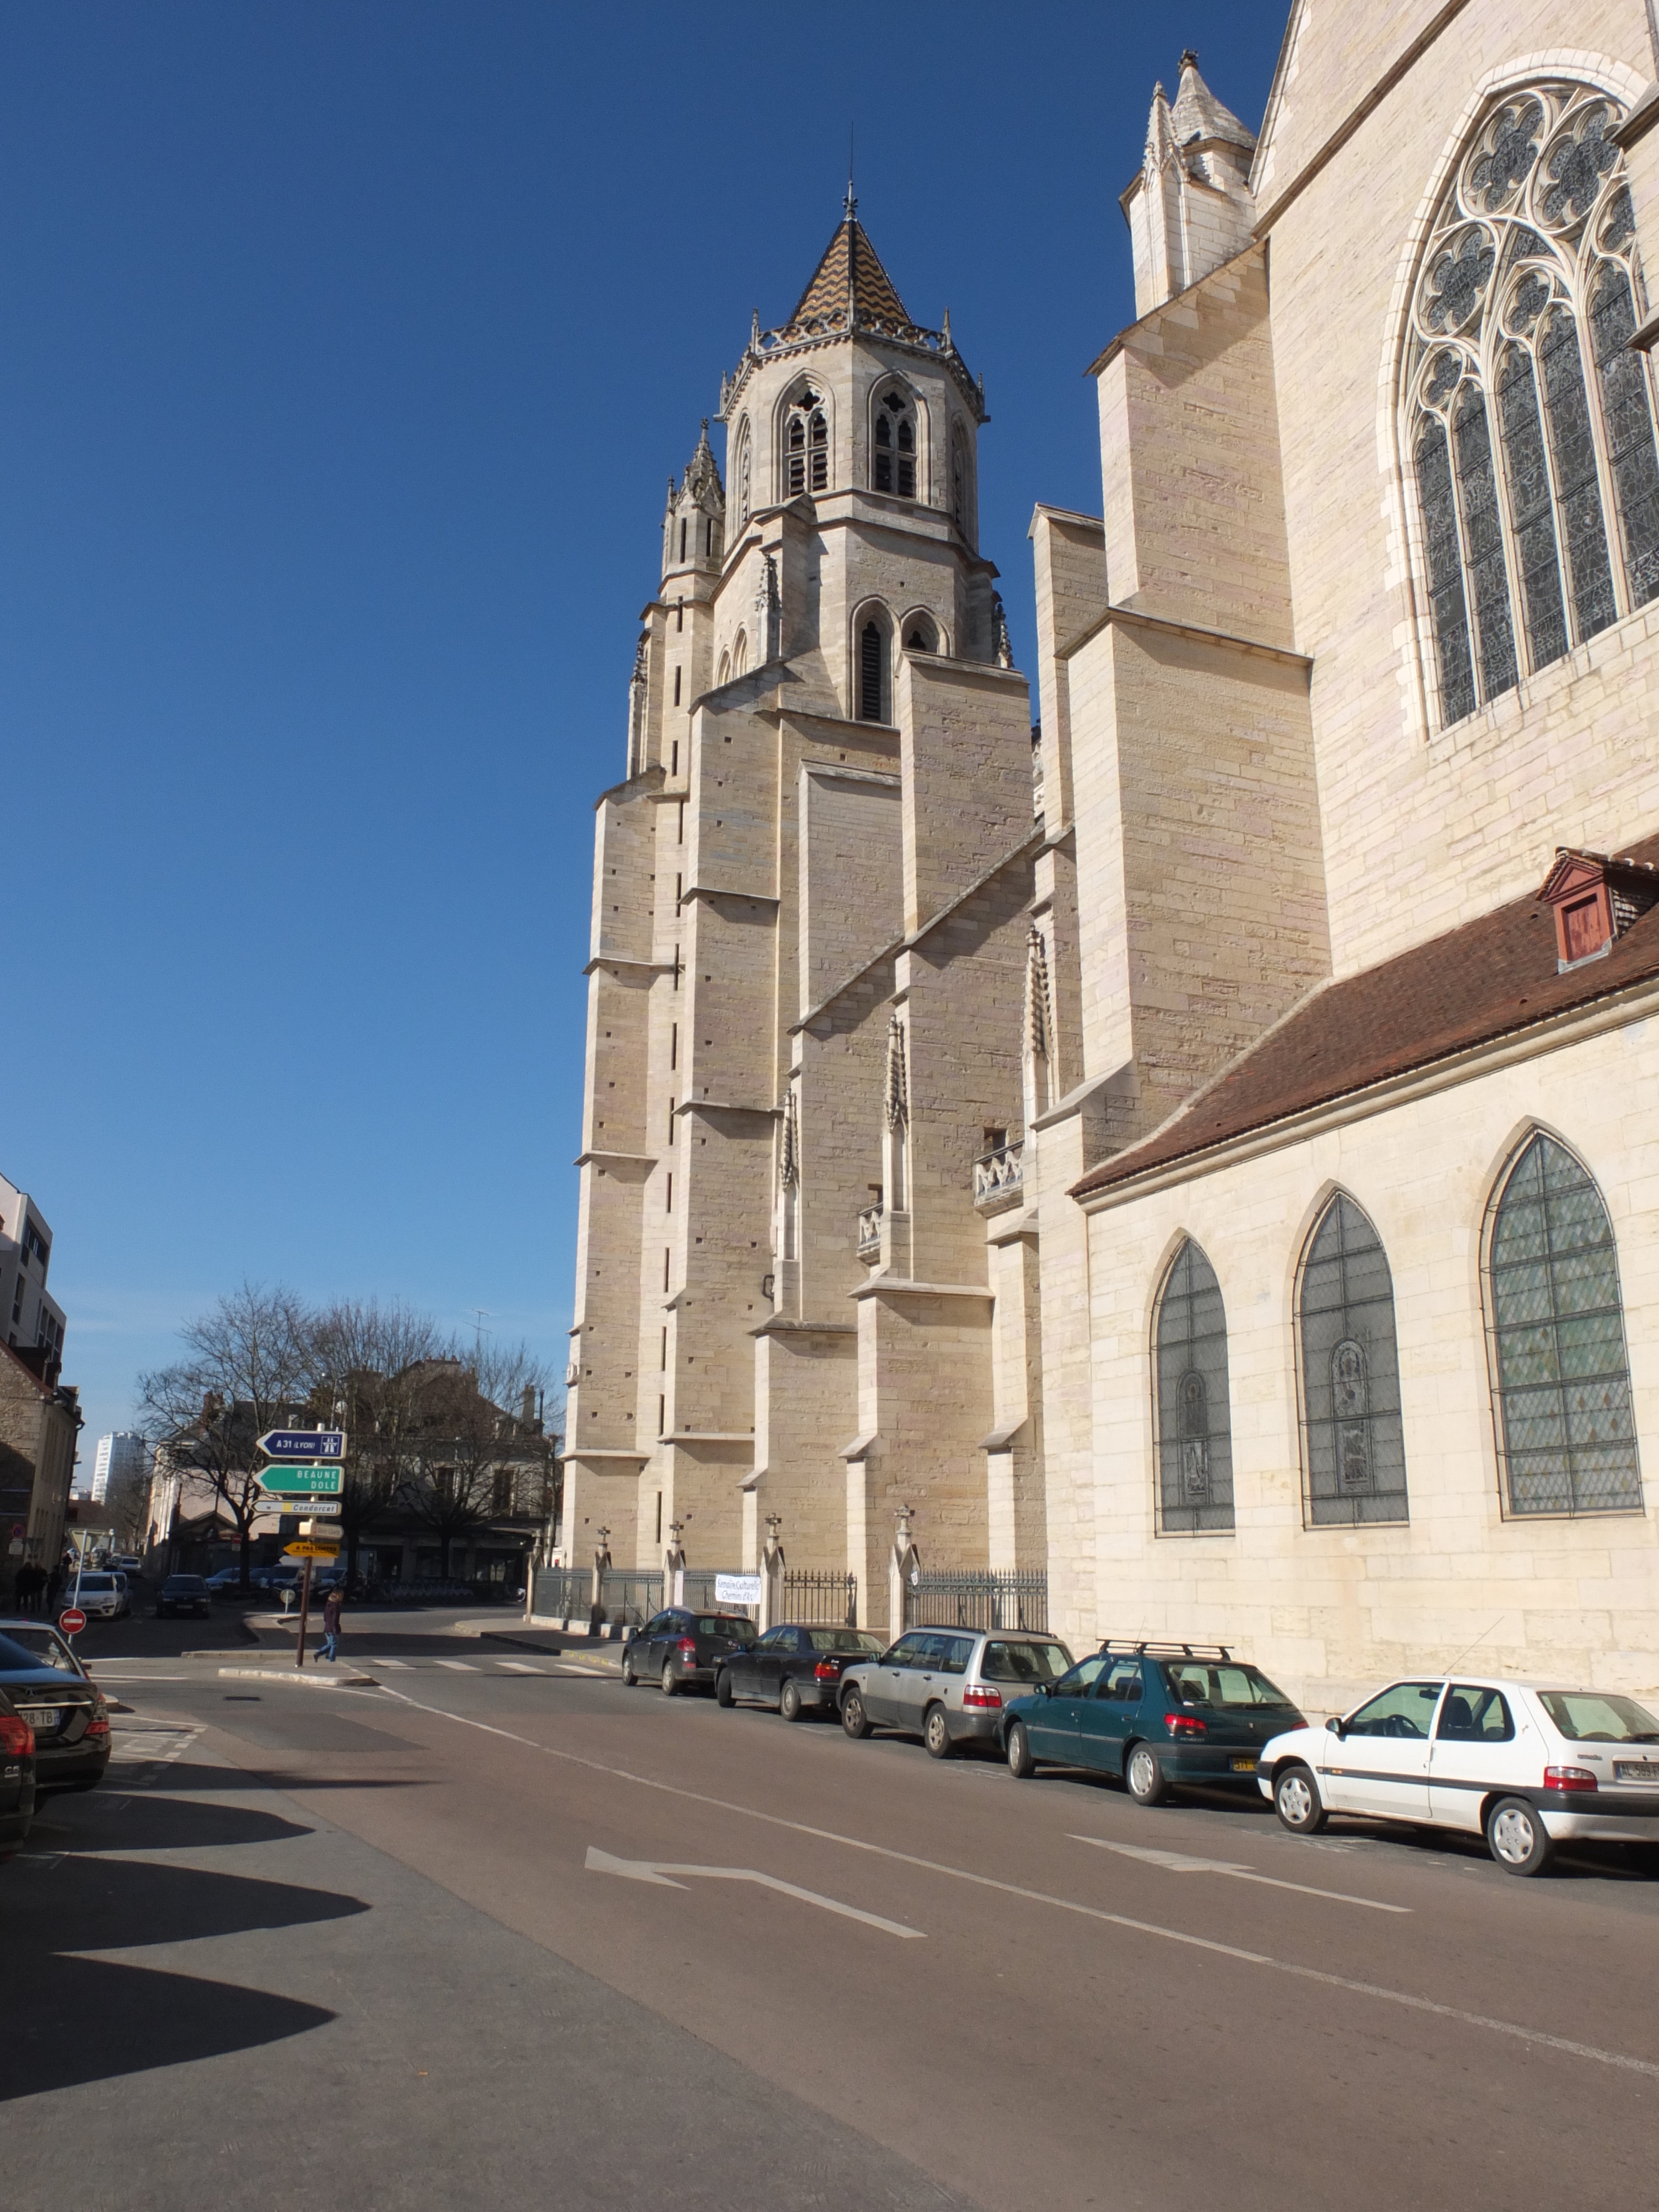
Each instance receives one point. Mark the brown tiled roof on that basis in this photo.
(848, 284)
(1477, 983)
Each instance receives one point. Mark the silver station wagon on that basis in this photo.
(949, 1685)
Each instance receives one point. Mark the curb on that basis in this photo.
(310, 1682)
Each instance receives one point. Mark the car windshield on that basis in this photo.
(96, 1582)
(183, 1585)
(843, 1639)
(723, 1624)
(1597, 1717)
(39, 1647)
(1024, 1662)
(1225, 1686)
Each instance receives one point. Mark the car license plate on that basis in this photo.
(1244, 1767)
(41, 1717)
(1636, 1770)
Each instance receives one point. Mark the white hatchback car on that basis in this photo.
(1527, 1765)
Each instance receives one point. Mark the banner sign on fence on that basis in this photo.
(737, 1590)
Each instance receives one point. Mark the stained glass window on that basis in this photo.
(1195, 1426)
(1524, 401)
(1354, 1446)
(1565, 1431)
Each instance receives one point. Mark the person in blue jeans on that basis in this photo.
(331, 1607)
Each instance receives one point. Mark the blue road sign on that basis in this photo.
(303, 1444)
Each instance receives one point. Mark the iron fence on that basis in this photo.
(819, 1598)
(563, 1593)
(628, 1599)
(977, 1598)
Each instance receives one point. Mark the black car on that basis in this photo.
(184, 1593)
(16, 1776)
(1157, 1715)
(683, 1646)
(794, 1667)
(50, 1690)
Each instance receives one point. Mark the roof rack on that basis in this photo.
(1158, 1650)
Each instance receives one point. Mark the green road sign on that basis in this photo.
(301, 1481)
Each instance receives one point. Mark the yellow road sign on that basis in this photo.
(311, 1551)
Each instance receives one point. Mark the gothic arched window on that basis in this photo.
(1566, 1436)
(894, 444)
(959, 478)
(872, 671)
(741, 474)
(1528, 421)
(1194, 1422)
(1353, 1444)
(807, 446)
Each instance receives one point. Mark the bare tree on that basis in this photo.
(367, 1362)
(483, 1441)
(245, 1371)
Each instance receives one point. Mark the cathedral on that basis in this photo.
(1166, 1134)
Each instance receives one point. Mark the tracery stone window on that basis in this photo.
(1353, 1442)
(1530, 422)
(1195, 1420)
(1566, 1433)
(741, 474)
(807, 446)
(894, 437)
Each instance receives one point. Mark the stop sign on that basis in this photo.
(71, 1621)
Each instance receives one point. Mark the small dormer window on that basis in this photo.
(807, 446)
(896, 445)
(1595, 899)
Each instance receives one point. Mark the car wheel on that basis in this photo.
(1147, 1781)
(630, 1679)
(1021, 1764)
(724, 1693)
(669, 1685)
(853, 1718)
(1297, 1801)
(936, 1733)
(789, 1704)
(1516, 1837)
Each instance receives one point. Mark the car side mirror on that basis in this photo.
(1337, 1726)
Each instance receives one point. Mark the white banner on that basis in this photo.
(737, 1590)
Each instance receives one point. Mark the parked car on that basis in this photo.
(1526, 1765)
(682, 1647)
(183, 1594)
(949, 1685)
(17, 1757)
(1158, 1716)
(128, 1563)
(100, 1596)
(794, 1666)
(50, 1690)
(228, 1581)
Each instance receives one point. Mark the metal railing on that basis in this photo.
(1000, 1175)
(563, 1593)
(869, 1233)
(818, 1597)
(628, 1598)
(978, 1598)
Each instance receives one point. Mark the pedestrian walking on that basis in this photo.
(333, 1605)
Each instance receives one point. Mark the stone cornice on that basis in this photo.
(1194, 633)
(901, 1286)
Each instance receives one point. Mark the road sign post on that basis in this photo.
(304, 1603)
(289, 1481)
(304, 1443)
(71, 1621)
(306, 1548)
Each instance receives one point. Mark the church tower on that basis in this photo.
(827, 749)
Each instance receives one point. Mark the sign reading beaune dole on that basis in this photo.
(301, 1481)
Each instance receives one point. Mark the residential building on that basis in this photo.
(39, 1421)
(30, 1317)
(123, 1458)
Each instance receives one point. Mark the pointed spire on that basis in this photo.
(849, 287)
(1198, 113)
(1160, 135)
(702, 475)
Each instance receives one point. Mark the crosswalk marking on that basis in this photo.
(392, 1662)
(518, 1666)
(458, 1666)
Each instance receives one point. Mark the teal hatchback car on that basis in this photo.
(1158, 1716)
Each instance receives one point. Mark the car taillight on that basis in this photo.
(1184, 1724)
(98, 1727)
(977, 1693)
(17, 1737)
(687, 1647)
(827, 1670)
(1568, 1778)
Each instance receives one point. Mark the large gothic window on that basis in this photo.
(1195, 1420)
(1565, 1431)
(1353, 1444)
(1530, 422)
(806, 446)
(895, 442)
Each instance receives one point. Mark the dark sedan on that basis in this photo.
(16, 1776)
(794, 1667)
(184, 1593)
(50, 1690)
(682, 1647)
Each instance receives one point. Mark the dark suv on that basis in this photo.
(1158, 1715)
(683, 1646)
(184, 1593)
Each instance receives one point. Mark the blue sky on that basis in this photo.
(347, 349)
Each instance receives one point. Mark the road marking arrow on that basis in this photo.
(664, 1877)
(1179, 1862)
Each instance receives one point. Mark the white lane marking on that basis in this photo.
(598, 1861)
(518, 1666)
(392, 1662)
(1534, 2035)
(125, 1679)
(457, 1666)
(1178, 1862)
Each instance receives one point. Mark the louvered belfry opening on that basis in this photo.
(871, 660)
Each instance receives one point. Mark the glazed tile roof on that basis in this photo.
(1486, 980)
(849, 286)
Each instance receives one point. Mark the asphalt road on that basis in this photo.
(401, 1946)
